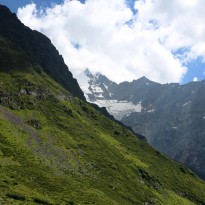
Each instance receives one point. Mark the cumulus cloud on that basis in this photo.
(195, 79)
(156, 41)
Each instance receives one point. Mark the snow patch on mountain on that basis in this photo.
(152, 110)
(186, 103)
(83, 81)
(96, 88)
(175, 128)
(119, 108)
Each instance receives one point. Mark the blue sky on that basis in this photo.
(15, 4)
(196, 70)
(147, 44)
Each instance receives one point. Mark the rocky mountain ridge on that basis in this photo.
(100, 90)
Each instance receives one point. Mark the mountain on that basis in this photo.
(100, 90)
(171, 116)
(42, 53)
(56, 148)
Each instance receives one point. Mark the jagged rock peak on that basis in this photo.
(88, 73)
(143, 78)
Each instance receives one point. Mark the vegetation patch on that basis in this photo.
(41, 201)
(16, 196)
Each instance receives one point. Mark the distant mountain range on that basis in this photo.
(171, 116)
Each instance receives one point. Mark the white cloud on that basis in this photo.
(105, 36)
(195, 79)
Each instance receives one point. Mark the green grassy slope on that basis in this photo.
(56, 149)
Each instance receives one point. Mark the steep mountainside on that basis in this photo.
(57, 149)
(171, 116)
(42, 53)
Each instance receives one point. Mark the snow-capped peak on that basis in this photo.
(100, 90)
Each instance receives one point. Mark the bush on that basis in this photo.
(40, 201)
(16, 197)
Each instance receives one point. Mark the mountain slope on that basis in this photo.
(42, 53)
(171, 116)
(176, 126)
(57, 149)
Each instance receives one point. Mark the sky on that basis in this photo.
(123, 39)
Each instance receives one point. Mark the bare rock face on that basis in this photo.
(176, 126)
(171, 116)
